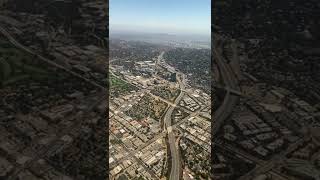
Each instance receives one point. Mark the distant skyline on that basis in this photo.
(161, 16)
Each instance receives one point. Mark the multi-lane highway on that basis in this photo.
(230, 99)
(175, 157)
(175, 163)
(43, 152)
(13, 41)
(225, 110)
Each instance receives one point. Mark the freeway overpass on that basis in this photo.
(230, 100)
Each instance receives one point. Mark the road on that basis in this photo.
(225, 110)
(158, 61)
(236, 92)
(41, 153)
(175, 171)
(49, 62)
(157, 137)
(175, 163)
(230, 100)
(238, 151)
(268, 165)
(131, 153)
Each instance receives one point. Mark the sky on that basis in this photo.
(161, 16)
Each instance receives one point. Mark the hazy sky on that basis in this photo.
(161, 16)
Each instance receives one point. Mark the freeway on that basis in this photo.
(170, 103)
(13, 41)
(224, 112)
(158, 61)
(175, 168)
(43, 152)
(230, 99)
(236, 92)
(175, 164)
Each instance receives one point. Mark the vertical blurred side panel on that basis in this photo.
(53, 89)
(265, 89)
